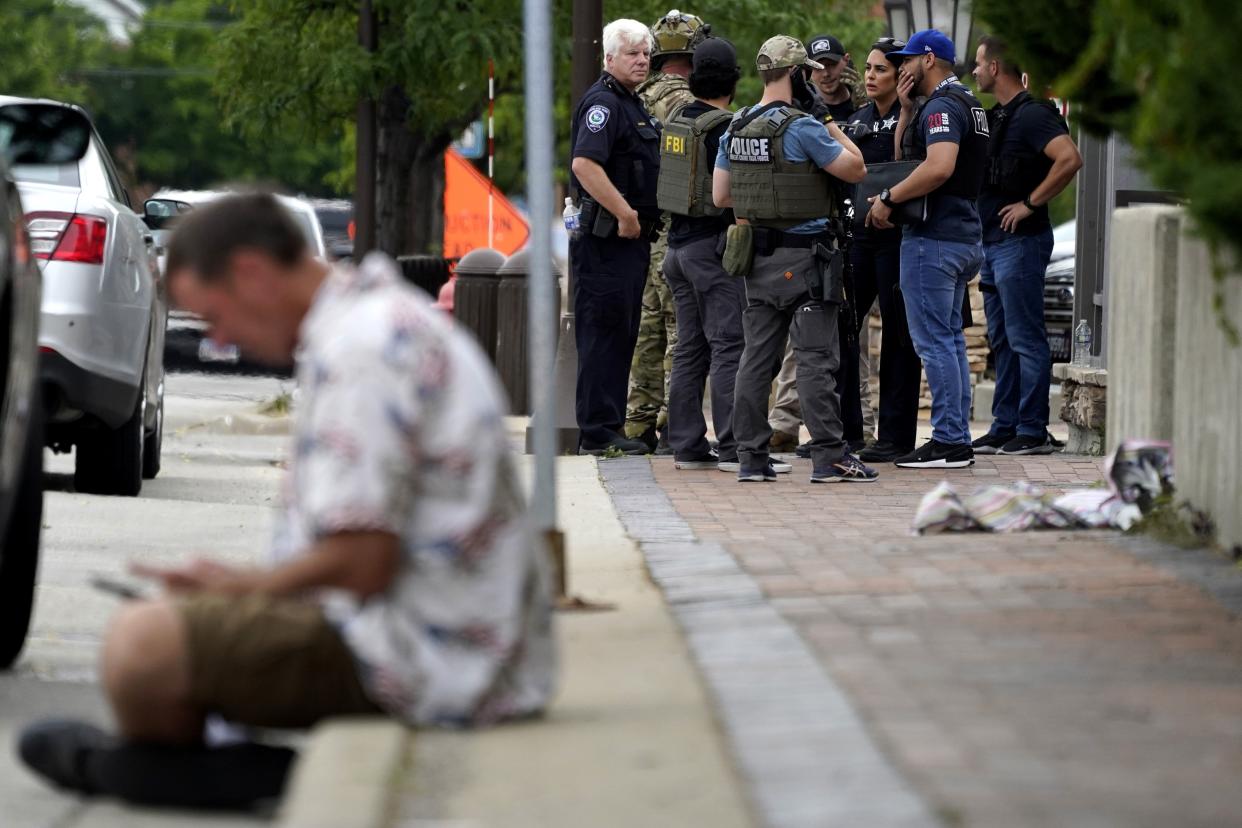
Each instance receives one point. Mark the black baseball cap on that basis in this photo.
(825, 46)
(714, 53)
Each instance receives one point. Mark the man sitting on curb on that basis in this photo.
(406, 579)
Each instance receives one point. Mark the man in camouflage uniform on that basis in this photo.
(665, 91)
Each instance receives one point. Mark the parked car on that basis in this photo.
(336, 216)
(32, 135)
(1059, 291)
(104, 312)
(187, 333)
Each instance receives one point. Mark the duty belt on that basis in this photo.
(768, 239)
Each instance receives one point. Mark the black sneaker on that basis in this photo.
(883, 451)
(937, 455)
(649, 437)
(663, 449)
(804, 450)
(990, 443)
(756, 474)
(1023, 444)
(697, 461)
(618, 443)
(849, 469)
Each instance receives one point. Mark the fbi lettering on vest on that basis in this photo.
(675, 144)
(754, 150)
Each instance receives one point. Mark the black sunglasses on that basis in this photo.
(889, 41)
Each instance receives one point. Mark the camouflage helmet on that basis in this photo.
(676, 33)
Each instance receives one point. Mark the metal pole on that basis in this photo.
(364, 186)
(541, 279)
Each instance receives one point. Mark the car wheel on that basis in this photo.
(109, 460)
(153, 443)
(19, 550)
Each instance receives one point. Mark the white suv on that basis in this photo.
(104, 314)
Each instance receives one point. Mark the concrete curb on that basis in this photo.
(347, 775)
(247, 424)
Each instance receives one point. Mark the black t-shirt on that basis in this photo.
(683, 229)
(1031, 126)
(872, 131)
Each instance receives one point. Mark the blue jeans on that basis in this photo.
(1013, 298)
(934, 274)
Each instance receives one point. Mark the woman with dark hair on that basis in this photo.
(876, 257)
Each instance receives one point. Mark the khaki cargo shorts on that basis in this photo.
(269, 662)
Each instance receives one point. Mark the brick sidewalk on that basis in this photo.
(1050, 678)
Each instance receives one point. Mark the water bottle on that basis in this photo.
(572, 216)
(1082, 344)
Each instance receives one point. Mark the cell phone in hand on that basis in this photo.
(119, 589)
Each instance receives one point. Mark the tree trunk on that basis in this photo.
(397, 149)
(410, 179)
(427, 191)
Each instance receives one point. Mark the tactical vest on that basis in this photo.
(1015, 175)
(972, 155)
(766, 188)
(686, 165)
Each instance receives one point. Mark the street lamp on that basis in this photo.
(905, 17)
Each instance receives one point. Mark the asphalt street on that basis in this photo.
(214, 496)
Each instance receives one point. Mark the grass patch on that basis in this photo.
(278, 406)
(1177, 524)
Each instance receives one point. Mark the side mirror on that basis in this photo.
(160, 213)
(43, 133)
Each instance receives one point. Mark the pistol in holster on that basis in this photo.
(830, 268)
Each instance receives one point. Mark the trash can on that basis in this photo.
(512, 337)
(474, 295)
(428, 272)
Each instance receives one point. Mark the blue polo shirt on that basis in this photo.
(805, 139)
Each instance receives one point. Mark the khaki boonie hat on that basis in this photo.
(781, 51)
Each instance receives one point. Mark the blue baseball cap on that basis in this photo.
(929, 40)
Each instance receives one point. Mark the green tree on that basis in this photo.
(44, 45)
(1152, 71)
(296, 66)
(157, 109)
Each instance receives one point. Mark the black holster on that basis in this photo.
(830, 286)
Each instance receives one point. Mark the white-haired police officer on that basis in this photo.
(615, 167)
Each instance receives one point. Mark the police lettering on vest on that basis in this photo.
(750, 150)
(767, 188)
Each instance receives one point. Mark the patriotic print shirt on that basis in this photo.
(399, 428)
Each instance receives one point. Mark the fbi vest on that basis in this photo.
(685, 186)
(767, 188)
(972, 155)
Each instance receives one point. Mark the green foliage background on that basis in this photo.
(1148, 69)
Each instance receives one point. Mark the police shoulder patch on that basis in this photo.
(596, 117)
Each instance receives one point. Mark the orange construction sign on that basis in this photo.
(465, 212)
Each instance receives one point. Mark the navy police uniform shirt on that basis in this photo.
(872, 131)
(949, 217)
(612, 128)
(1030, 128)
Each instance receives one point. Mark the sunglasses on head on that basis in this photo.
(889, 41)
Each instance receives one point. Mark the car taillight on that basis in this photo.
(67, 237)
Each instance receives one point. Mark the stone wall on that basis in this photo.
(1173, 372)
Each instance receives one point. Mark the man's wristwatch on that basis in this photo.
(1026, 202)
(886, 198)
